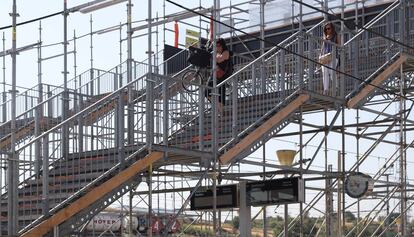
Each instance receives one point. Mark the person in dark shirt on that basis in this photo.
(223, 71)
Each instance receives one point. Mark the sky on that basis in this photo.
(106, 51)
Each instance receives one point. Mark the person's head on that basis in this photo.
(221, 45)
(329, 29)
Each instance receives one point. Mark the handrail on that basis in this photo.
(56, 87)
(296, 92)
(375, 20)
(372, 75)
(34, 88)
(278, 46)
(81, 113)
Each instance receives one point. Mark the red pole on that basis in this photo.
(176, 32)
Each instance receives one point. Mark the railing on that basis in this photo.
(92, 151)
(368, 51)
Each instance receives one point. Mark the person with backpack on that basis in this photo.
(223, 71)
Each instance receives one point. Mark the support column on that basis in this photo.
(130, 112)
(245, 225)
(12, 163)
(45, 162)
(339, 198)
(262, 46)
(65, 99)
(301, 52)
(149, 108)
(214, 118)
(39, 109)
(329, 205)
(4, 94)
(286, 218)
(119, 121)
(264, 178)
(357, 158)
(149, 87)
(301, 162)
(403, 162)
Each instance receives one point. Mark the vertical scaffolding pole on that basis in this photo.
(286, 218)
(403, 163)
(264, 178)
(78, 139)
(80, 102)
(342, 53)
(149, 86)
(357, 158)
(91, 76)
(262, 46)
(301, 166)
(149, 114)
(4, 97)
(328, 198)
(343, 169)
(13, 164)
(339, 198)
(300, 47)
(215, 112)
(75, 65)
(130, 112)
(38, 112)
(4, 94)
(65, 99)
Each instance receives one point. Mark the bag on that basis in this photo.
(325, 58)
(199, 57)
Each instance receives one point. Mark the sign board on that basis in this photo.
(192, 33)
(190, 41)
(277, 191)
(191, 37)
(226, 198)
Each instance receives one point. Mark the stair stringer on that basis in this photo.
(89, 198)
(83, 217)
(370, 86)
(264, 132)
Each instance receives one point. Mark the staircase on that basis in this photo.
(104, 163)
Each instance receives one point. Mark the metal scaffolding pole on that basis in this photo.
(216, 17)
(357, 158)
(4, 94)
(264, 178)
(13, 161)
(339, 198)
(92, 75)
(149, 110)
(65, 99)
(130, 112)
(403, 162)
(262, 45)
(38, 113)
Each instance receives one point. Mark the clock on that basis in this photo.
(358, 185)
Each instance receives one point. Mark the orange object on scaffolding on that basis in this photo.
(176, 33)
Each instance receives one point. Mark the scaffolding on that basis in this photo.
(133, 140)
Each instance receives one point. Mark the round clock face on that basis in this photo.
(357, 185)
